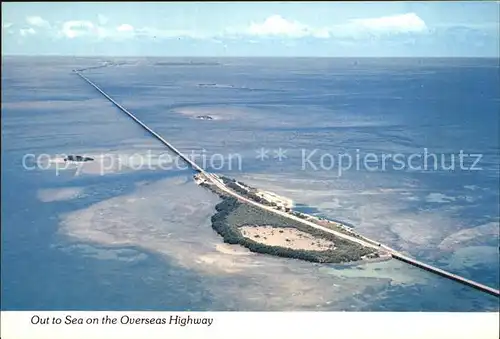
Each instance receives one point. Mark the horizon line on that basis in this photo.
(251, 56)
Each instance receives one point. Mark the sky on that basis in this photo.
(322, 29)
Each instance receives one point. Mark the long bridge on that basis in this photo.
(362, 240)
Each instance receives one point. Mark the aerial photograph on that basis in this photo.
(250, 156)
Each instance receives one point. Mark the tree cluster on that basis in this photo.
(232, 214)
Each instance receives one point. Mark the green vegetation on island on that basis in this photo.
(78, 158)
(232, 214)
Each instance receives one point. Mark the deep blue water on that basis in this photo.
(375, 105)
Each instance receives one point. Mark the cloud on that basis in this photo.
(27, 31)
(274, 26)
(123, 31)
(88, 29)
(277, 25)
(168, 33)
(125, 28)
(37, 21)
(402, 23)
(74, 28)
(8, 28)
(83, 28)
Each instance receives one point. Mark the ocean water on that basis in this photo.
(141, 239)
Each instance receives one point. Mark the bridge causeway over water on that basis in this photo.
(366, 241)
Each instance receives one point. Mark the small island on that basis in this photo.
(265, 232)
(214, 85)
(204, 117)
(78, 158)
(186, 63)
(207, 85)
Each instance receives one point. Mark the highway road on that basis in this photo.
(293, 217)
(220, 184)
(364, 241)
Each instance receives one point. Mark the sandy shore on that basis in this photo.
(232, 249)
(277, 199)
(285, 237)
